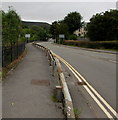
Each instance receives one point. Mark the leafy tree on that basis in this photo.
(63, 29)
(57, 28)
(103, 26)
(26, 30)
(73, 37)
(54, 30)
(36, 32)
(11, 27)
(42, 33)
(73, 20)
(67, 26)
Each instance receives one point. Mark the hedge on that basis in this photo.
(93, 44)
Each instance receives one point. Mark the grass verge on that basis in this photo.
(77, 113)
(54, 98)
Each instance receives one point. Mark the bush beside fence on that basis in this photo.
(10, 53)
(96, 44)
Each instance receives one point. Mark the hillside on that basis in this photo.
(41, 24)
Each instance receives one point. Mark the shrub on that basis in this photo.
(95, 44)
(73, 37)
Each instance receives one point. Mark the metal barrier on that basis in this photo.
(55, 63)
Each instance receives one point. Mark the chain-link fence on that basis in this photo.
(10, 53)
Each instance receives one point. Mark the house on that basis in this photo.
(82, 31)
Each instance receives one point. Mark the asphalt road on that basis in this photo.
(99, 69)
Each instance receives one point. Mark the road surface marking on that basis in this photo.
(96, 93)
(80, 78)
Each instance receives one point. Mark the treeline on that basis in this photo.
(13, 36)
(67, 26)
(13, 44)
(37, 33)
(11, 28)
(103, 26)
(13, 31)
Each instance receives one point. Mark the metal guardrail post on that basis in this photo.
(46, 51)
(50, 60)
(53, 67)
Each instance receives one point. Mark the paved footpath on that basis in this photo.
(28, 90)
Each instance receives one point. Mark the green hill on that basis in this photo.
(41, 24)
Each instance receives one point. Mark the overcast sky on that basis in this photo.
(51, 11)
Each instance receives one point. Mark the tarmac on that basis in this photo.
(27, 92)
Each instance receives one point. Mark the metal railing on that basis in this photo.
(10, 53)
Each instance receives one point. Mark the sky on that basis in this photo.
(49, 11)
(59, 0)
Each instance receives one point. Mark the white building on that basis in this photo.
(82, 31)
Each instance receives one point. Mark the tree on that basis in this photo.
(67, 26)
(73, 37)
(73, 20)
(57, 28)
(54, 30)
(103, 26)
(63, 29)
(11, 27)
(36, 32)
(43, 35)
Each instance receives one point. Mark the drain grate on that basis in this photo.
(40, 82)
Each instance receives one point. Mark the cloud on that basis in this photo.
(60, 0)
(51, 11)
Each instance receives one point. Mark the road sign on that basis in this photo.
(27, 35)
(62, 36)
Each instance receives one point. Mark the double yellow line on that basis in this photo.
(91, 90)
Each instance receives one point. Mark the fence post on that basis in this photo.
(17, 51)
(50, 59)
(53, 67)
(11, 53)
(3, 56)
